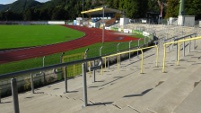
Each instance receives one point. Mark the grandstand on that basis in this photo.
(124, 88)
(101, 15)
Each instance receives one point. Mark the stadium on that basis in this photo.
(104, 63)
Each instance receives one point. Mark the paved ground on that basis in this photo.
(125, 89)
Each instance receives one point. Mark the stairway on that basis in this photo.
(124, 89)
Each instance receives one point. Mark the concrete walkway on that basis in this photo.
(125, 89)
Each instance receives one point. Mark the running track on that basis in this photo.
(92, 35)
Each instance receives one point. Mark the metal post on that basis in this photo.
(44, 61)
(189, 46)
(86, 53)
(194, 44)
(32, 83)
(100, 51)
(65, 80)
(129, 49)
(157, 52)
(178, 58)
(44, 77)
(61, 61)
(184, 49)
(142, 62)
(84, 84)
(118, 47)
(138, 42)
(144, 40)
(94, 72)
(138, 52)
(164, 58)
(108, 63)
(0, 95)
(177, 51)
(14, 90)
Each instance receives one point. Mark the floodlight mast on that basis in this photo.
(182, 11)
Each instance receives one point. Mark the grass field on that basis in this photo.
(33, 35)
(16, 36)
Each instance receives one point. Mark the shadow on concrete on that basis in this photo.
(72, 91)
(6, 102)
(141, 94)
(100, 103)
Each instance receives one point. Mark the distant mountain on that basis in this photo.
(20, 6)
(2, 7)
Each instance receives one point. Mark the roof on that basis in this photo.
(100, 11)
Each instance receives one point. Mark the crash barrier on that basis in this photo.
(118, 57)
(33, 72)
(178, 43)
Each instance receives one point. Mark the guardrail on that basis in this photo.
(118, 55)
(36, 70)
(178, 42)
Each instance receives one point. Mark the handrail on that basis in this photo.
(10, 75)
(185, 36)
(176, 42)
(136, 50)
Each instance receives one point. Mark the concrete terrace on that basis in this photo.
(125, 89)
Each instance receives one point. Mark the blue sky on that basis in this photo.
(11, 1)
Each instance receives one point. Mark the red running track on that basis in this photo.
(92, 35)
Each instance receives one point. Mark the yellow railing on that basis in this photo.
(179, 43)
(118, 55)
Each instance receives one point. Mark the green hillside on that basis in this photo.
(69, 9)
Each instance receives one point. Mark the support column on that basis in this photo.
(184, 49)
(14, 90)
(32, 83)
(94, 72)
(65, 80)
(0, 95)
(84, 85)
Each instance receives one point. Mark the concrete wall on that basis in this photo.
(186, 20)
(124, 21)
(189, 20)
(56, 22)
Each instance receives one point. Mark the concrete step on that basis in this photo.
(40, 103)
(107, 109)
(192, 103)
(174, 97)
(143, 102)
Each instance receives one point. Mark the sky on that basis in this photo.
(11, 1)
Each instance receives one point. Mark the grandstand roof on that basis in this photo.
(100, 10)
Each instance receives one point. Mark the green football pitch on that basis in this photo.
(17, 36)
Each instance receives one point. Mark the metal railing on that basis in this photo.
(31, 72)
(118, 56)
(178, 42)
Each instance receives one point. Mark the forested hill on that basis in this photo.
(2, 7)
(70, 9)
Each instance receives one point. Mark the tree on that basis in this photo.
(172, 8)
(193, 7)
